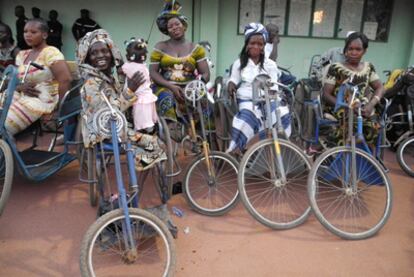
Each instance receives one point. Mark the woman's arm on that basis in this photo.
(235, 78)
(61, 73)
(204, 70)
(327, 94)
(376, 98)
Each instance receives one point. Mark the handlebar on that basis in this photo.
(38, 66)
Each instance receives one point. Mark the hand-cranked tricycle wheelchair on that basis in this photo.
(33, 163)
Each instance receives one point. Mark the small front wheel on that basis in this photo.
(350, 193)
(212, 192)
(6, 173)
(103, 251)
(405, 156)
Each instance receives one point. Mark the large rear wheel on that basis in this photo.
(351, 197)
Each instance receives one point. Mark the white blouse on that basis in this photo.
(244, 78)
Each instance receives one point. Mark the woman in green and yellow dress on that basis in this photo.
(174, 63)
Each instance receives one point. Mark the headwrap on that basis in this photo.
(171, 9)
(90, 38)
(254, 29)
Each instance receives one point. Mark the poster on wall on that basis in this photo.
(324, 15)
(299, 17)
(249, 11)
(274, 12)
(351, 17)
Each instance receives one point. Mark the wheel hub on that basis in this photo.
(278, 183)
(130, 256)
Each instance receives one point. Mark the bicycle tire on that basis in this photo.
(6, 173)
(219, 192)
(406, 147)
(353, 223)
(168, 148)
(105, 232)
(285, 211)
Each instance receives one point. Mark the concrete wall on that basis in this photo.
(295, 53)
(216, 21)
(122, 19)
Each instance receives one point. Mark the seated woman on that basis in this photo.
(97, 56)
(39, 94)
(174, 63)
(8, 51)
(252, 62)
(362, 74)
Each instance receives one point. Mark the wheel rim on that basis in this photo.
(270, 200)
(407, 156)
(352, 212)
(212, 194)
(107, 256)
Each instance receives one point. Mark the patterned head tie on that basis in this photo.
(93, 37)
(170, 10)
(255, 29)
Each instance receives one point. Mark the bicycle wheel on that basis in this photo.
(212, 195)
(272, 202)
(350, 212)
(6, 173)
(103, 250)
(165, 137)
(405, 156)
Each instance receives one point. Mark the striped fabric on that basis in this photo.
(248, 122)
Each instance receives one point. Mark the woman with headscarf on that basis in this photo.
(8, 51)
(97, 56)
(39, 94)
(175, 62)
(252, 62)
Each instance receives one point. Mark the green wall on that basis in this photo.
(295, 53)
(216, 21)
(123, 18)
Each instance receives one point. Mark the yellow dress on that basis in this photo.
(177, 70)
(25, 109)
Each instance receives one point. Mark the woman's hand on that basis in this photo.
(178, 93)
(367, 110)
(232, 88)
(136, 81)
(28, 88)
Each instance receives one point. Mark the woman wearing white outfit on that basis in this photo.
(252, 62)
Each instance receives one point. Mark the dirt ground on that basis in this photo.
(44, 223)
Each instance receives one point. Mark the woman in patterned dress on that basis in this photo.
(362, 74)
(39, 94)
(97, 56)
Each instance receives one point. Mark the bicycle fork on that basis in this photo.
(130, 254)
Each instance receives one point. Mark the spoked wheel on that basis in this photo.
(103, 251)
(405, 156)
(350, 209)
(296, 135)
(6, 173)
(167, 145)
(212, 194)
(273, 202)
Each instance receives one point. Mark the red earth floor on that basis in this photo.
(44, 223)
